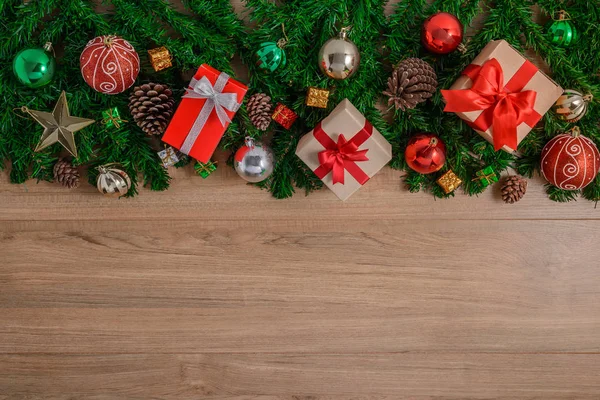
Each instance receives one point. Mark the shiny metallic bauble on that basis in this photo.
(113, 182)
(561, 31)
(339, 57)
(442, 33)
(425, 153)
(35, 67)
(254, 161)
(271, 56)
(571, 106)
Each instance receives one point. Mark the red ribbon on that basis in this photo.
(343, 155)
(504, 107)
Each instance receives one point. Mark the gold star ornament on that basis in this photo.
(59, 126)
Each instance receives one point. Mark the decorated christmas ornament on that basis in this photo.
(259, 110)
(112, 118)
(442, 33)
(152, 106)
(168, 156)
(35, 67)
(570, 161)
(160, 58)
(571, 106)
(66, 174)
(513, 189)
(254, 161)
(317, 97)
(205, 169)
(425, 153)
(109, 64)
(485, 177)
(112, 181)
(271, 55)
(59, 126)
(284, 116)
(449, 181)
(412, 82)
(561, 30)
(339, 58)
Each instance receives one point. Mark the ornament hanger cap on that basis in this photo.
(575, 131)
(344, 32)
(249, 142)
(562, 16)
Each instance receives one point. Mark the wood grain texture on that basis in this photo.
(215, 290)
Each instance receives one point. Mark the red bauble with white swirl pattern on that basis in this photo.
(109, 64)
(570, 161)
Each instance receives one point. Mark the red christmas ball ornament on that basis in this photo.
(570, 160)
(442, 33)
(109, 64)
(425, 153)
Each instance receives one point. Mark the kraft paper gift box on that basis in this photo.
(502, 90)
(210, 101)
(344, 150)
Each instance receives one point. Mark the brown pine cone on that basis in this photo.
(513, 189)
(412, 82)
(152, 106)
(259, 110)
(66, 174)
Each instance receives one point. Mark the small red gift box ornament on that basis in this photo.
(284, 116)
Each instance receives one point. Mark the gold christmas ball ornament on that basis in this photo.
(339, 58)
(571, 106)
(113, 182)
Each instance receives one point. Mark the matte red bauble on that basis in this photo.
(442, 33)
(425, 153)
(570, 161)
(109, 64)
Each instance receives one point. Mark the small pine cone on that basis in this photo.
(259, 110)
(152, 106)
(513, 189)
(66, 174)
(412, 82)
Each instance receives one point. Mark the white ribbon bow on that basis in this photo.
(215, 100)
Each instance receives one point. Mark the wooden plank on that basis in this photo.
(447, 286)
(302, 377)
(225, 197)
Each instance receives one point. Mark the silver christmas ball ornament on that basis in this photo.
(254, 161)
(339, 57)
(113, 182)
(571, 106)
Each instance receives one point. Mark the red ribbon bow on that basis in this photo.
(504, 107)
(343, 155)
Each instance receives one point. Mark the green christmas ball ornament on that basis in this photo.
(561, 30)
(35, 67)
(271, 55)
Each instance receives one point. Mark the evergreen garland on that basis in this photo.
(209, 31)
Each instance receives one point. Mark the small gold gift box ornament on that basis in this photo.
(449, 182)
(317, 97)
(160, 58)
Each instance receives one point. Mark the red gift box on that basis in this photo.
(211, 100)
(284, 116)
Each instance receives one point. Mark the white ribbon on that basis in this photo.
(215, 100)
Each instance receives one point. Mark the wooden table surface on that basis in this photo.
(215, 290)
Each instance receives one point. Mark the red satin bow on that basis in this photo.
(504, 107)
(343, 155)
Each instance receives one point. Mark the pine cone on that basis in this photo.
(259, 110)
(411, 83)
(152, 106)
(513, 189)
(66, 174)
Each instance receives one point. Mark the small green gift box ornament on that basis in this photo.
(205, 169)
(112, 118)
(486, 176)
